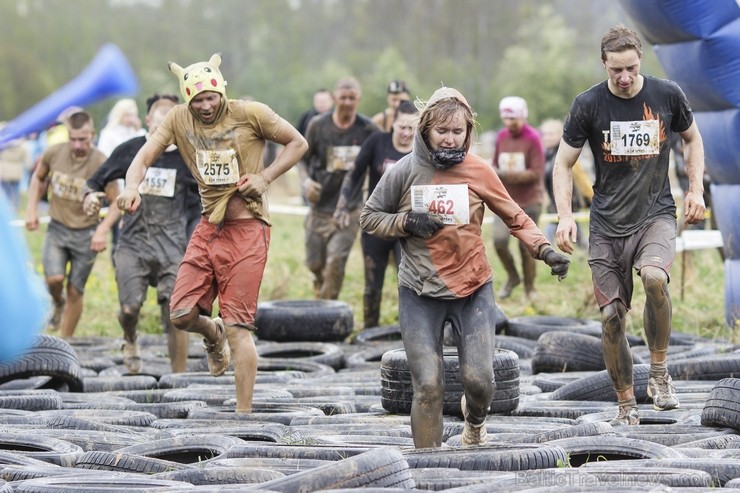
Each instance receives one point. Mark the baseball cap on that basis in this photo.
(396, 86)
(513, 107)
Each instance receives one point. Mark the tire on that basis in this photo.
(58, 419)
(221, 475)
(371, 356)
(524, 348)
(610, 447)
(282, 465)
(251, 432)
(40, 401)
(598, 387)
(722, 409)
(309, 368)
(568, 409)
(550, 382)
(122, 462)
(561, 351)
(274, 413)
(84, 483)
(218, 395)
(716, 367)
(106, 439)
(515, 457)
(532, 327)
(304, 320)
(397, 391)
(48, 356)
(185, 449)
(317, 352)
(113, 383)
(189, 379)
(382, 467)
(378, 335)
(286, 451)
(37, 446)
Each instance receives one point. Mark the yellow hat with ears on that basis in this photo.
(199, 77)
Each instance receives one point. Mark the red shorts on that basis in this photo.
(227, 262)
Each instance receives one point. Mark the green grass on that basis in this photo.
(701, 311)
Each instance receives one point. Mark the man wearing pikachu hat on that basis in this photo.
(221, 141)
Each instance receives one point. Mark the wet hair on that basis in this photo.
(157, 97)
(79, 119)
(618, 39)
(406, 107)
(441, 111)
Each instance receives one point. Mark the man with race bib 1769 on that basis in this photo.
(628, 120)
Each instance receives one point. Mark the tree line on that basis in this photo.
(280, 51)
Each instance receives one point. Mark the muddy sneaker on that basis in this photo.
(132, 356)
(56, 316)
(661, 389)
(472, 434)
(219, 354)
(628, 416)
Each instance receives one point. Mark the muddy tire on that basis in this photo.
(304, 320)
(48, 356)
(397, 392)
(382, 467)
(723, 406)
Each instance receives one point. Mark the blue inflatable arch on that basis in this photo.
(698, 44)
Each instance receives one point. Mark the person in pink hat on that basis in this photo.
(519, 161)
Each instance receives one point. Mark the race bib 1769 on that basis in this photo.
(637, 138)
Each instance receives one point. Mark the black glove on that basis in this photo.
(422, 224)
(557, 262)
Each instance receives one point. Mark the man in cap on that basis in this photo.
(397, 92)
(222, 142)
(519, 161)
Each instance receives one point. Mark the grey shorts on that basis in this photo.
(62, 246)
(136, 272)
(613, 258)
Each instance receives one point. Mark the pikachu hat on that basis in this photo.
(199, 77)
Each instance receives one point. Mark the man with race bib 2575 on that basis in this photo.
(222, 142)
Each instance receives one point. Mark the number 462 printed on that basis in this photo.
(450, 202)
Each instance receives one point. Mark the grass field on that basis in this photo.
(701, 311)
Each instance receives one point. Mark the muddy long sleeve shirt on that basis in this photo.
(452, 263)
